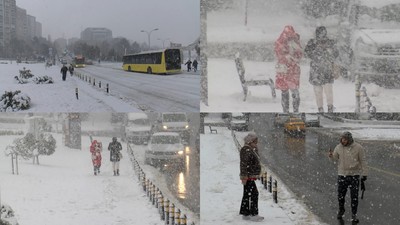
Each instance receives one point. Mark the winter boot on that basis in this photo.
(340, 214)
(330, 108)
(117, 172)
(354, 219)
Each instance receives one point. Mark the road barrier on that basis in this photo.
(167, 210)
(263, 177)
(88, 79)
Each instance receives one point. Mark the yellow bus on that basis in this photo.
(166, 61)
(79, 61)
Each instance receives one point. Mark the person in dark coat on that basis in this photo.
(64, 71)
(352, 165)
(250, 169)
(189, 65)
(195, 63)
(323, 52)
(71, 69)
(115, 148)
(288, 52)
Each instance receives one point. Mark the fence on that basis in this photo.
(268, 184)
(169, 213)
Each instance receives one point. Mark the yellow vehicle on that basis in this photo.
(295, 125)
(79, 61)
(166, 61)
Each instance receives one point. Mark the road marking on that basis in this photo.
(384, 171)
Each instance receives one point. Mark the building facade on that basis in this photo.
(8, 20)
(22, 24)
(96, 35)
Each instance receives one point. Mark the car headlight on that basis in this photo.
(180, 153)
(187, 126)
(165, 127)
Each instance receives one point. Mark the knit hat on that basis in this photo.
(321, 32)
(250, 137)
(348, 136)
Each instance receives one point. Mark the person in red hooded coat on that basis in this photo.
(95, 150)
(288, 52)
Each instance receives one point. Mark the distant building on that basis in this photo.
(31, 22)
(72, 41)
(22, 24)
(60, 44)
(8, 20)
(96, 35)
(38, 30)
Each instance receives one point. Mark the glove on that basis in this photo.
(363, 178)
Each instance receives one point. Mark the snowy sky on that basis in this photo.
(178, 20)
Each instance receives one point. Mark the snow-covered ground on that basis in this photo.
(265, 22)
(221, 190)
(61, 95)
(63, 189)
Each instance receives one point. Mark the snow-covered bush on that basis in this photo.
(7, 215)
(14, 101)
(20, 80)
(25, 74)
(46, 144)
(43, 80)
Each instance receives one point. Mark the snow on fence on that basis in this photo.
(270, 186)
(166, 208)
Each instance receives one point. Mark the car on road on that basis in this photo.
(175, 122)
(312, 120)
(137, 128)
(280, 119)
(165, 148)
(295, 126)
(239, 121)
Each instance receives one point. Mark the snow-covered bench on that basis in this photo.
(246, 83)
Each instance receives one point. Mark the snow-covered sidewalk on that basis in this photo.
(221, 190)
(63, 190)
(61, 95)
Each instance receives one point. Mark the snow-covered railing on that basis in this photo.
(166, 208)
(247, 83)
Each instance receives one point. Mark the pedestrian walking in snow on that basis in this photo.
(250, 169)
(189, 65)
(64, 71)
(95, 150)
(195, 63)
(115, 148)
(71, 69)
(351, 165)
(288, 52)
(323, 52)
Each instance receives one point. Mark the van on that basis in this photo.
(165, 148)
(175, 122)
(137, 128)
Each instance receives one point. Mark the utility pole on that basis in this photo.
(148, 35)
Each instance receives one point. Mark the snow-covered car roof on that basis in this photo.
(166, 134)
(134, 116)
(378, 36)
(376, 3)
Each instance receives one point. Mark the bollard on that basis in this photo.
(147, 187)
(270, 184)
(94, 82)
(76, 93)
(144, 182)
(172, 211)
(107, 88)
(162, 206)
(178, 217)
(184, 220)
(157, 197)
(149, 190)
(90, 80)
(99, 84)
(85, 78)
(154, 195)
(167, 212)
(275, 192)
(265, 181)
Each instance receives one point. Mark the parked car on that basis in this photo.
(239, 121)
(137, 128)
(165, 148)
(175, 122)
(295, 126)
(312, 120)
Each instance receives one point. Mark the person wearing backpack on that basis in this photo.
(323, 52)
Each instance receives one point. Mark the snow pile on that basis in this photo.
(14, 101)
(7, 215)
(43, 80)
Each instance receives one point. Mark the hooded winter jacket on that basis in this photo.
(250, 167)
(288, 52)
(351, 160)
(322, 52)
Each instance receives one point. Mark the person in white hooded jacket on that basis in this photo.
(351, 166)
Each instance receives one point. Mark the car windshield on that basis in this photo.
(165, 140)
(139, 122)
(174, 117)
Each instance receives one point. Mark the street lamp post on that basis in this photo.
(148, 34)
(163, 41)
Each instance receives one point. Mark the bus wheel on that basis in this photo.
(149, 71)
(129, 68)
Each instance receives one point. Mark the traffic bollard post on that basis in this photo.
(178, 217)
(184, 220)
(265, 181)
(162, 206)
(76, 93)
(270, 184)
(107, 89)
(167, 212)
(172, 212)
(275, 191)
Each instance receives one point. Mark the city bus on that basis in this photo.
(79, 61)
(165, 61)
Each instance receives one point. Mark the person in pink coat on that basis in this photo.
(95, 150)
(288, 52)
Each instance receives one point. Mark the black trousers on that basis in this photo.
(345, 182)
(249, 204)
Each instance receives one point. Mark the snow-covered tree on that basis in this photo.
(46, 144)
